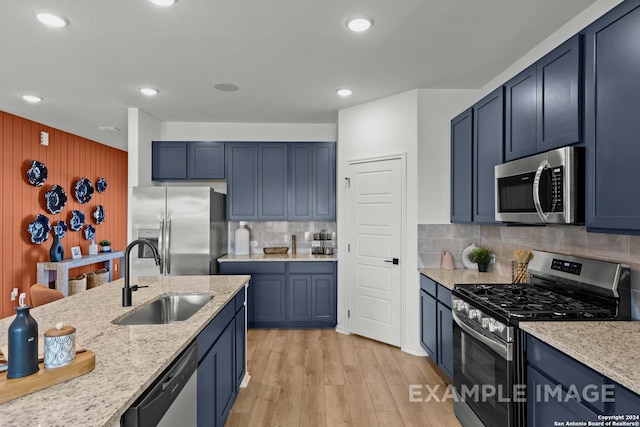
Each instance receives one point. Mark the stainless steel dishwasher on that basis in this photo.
(171, 400)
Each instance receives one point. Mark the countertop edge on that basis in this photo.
(450, 278)
(278, 258)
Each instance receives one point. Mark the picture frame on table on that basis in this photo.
(76, 253)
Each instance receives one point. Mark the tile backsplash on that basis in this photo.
(503, 241)
(268, 234)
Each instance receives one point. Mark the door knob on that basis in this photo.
(395, 261)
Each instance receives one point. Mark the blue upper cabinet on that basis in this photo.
(242, 181)
(168, 160)
(206, 160)
(612, 125)
(186, 160)
(272, 182)
(312, 181)
(543, 107)
(462, 167)
(488, 144)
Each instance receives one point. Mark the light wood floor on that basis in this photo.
(323, 378)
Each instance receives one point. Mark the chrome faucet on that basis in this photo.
(126, 291)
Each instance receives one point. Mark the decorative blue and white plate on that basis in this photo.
(101, 185)
(98, 214)
(84, 191)
(77, 220)
(90, 232)
(60, 229)
(56, 199)
(39, 229)
(37, 173)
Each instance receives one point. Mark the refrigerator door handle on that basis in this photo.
(168, 248)
(161, 245)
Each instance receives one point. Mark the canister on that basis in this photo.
(59, 346)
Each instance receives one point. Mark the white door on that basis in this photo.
(375, 239)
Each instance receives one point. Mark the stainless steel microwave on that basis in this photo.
(540, 189)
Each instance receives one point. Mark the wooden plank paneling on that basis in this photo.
(68, 158)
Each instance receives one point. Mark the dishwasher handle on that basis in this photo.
(149, 408)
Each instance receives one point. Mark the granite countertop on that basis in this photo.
(277, 257)
(449, 278)
(128, 358)
(610, 348)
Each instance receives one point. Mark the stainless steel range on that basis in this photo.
(489, 355)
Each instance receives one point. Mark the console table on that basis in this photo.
(60, 270)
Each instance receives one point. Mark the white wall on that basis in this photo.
(385, 127)
(436, 108)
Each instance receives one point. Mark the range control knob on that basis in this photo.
(485, 322)
(493, 325)
(473, 313)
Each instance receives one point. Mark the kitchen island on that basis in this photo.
(128, 358)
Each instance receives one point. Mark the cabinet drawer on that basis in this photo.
(444, 295)
(427, 285)
(212, 331)
(252, 267)
(315, 267)
(565, 370)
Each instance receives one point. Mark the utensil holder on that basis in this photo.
(519, 272)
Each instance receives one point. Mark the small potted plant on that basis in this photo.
(482, 257)
(106, 245)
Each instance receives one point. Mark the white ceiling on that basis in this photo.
(287, 56)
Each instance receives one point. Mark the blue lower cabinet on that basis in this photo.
(436, 327)
(222, 353)
(428, 327)
(445, 339)
(289, 294)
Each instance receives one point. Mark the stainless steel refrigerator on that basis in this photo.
(186, 224)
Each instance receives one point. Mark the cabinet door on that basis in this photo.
(240, 346)
(488, 148)
(428, 327)
(300, 182)
(206, 160)
(612, 96)
(324, 181)
(323, 298)
(168, 160)
(462, 167)
(558, 100)
(268, 298)
(299, 298)
(242, 181)
(216, 381)
(627, 402)
(445, 339)
(272, 193)
(521, 108)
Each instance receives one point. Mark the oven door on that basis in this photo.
(483, 377)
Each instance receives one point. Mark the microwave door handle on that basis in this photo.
(536, 191)
(168, 249)
(161, 244)
(503, 351)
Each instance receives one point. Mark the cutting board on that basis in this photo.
(46, 377)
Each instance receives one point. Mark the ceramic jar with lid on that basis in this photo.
(59, 346)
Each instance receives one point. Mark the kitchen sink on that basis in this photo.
(168, 309)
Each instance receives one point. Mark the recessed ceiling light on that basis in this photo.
(51, 19)
(344, 92)
(359, 24)
(31, 98)
(226, 87)
(149, 91)
(163, 2)
(108, 128)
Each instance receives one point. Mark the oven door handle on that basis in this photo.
(536, 191)
(503, 351)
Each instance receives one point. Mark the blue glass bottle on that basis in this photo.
(23, 343)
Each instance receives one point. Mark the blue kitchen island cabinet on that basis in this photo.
(612, 96)
(436, 327)
(187, 160)
(462, 167)
(543, 103)
(222, 363)
(561, 388)
(289, 294)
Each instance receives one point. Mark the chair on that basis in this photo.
(41, 295)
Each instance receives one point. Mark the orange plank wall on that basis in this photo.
(67, 158)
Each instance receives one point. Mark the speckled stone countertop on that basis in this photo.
(610, 348)
(277, 257)
(449, 278)
(128, 358)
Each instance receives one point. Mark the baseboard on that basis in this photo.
(414, 351)
(342, 331)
